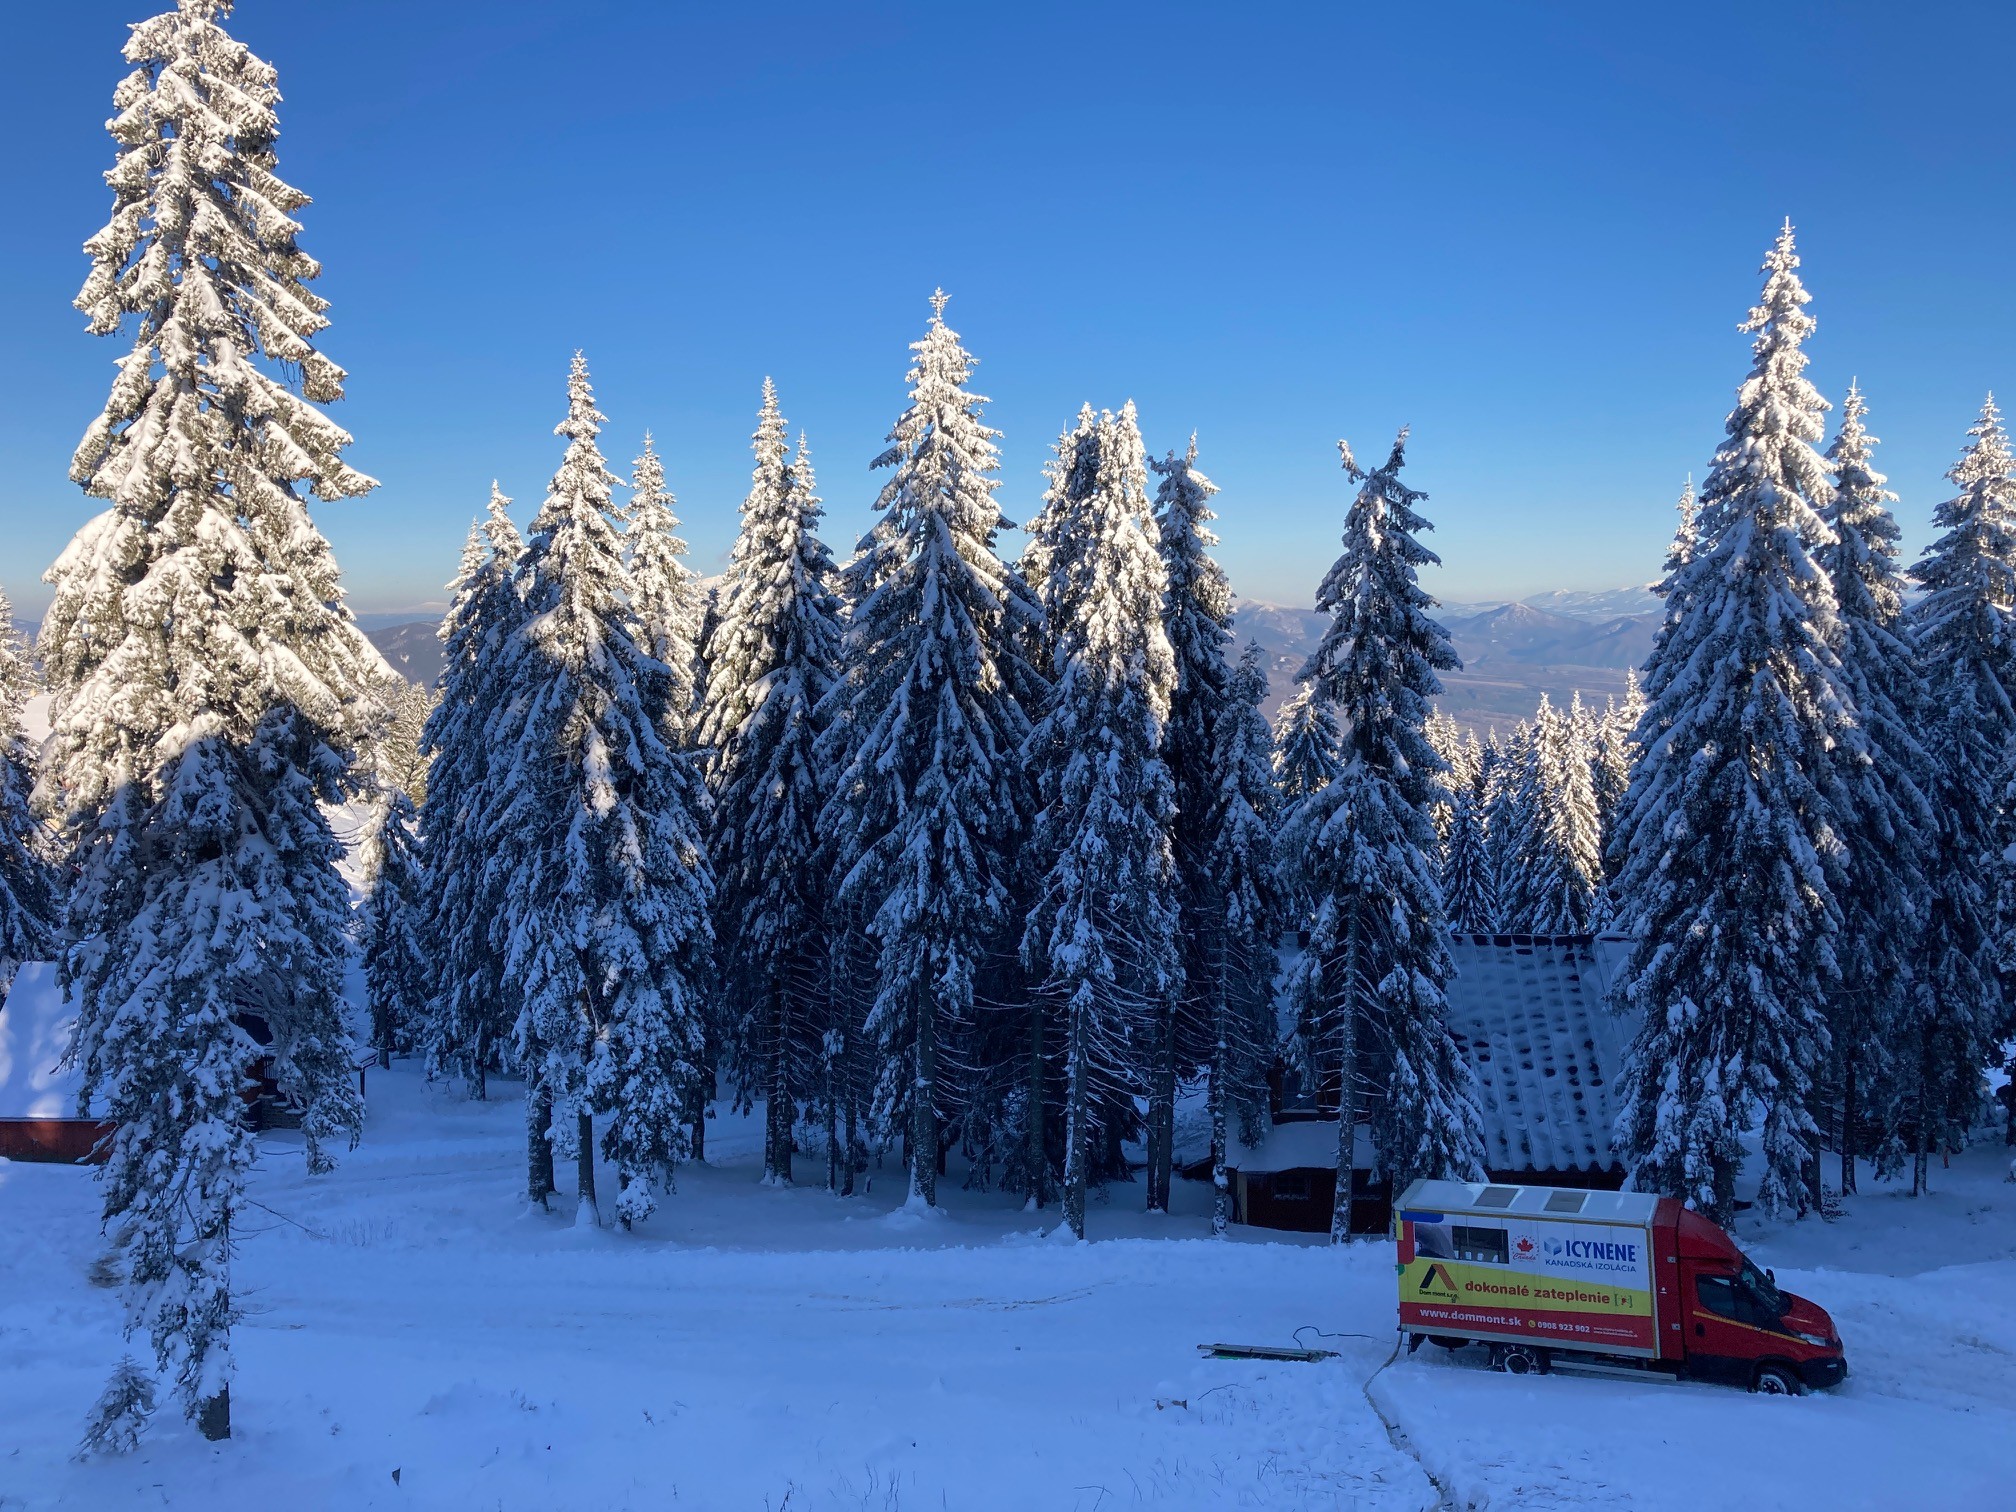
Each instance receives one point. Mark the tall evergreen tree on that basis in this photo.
(665, 593)
(1104, 931)
(773, 654)
(1729, 857)
(599, 838)
(1307, 745)
(1560, 863)
(1615, 755)
(470, 1017)
(211, 689)
(1198, 621)
(1469, 884)
(1243, 1028)
(1308, 754)
(1687, 533)
(1883, 903)
(1378, 956)
(1511, 803)
(396, 973)
(1966, 631)
(925, 734)
(28, 891)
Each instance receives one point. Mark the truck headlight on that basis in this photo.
(1818, 1341)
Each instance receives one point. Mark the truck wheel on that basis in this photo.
(1777, 1380)
(1519, 1359)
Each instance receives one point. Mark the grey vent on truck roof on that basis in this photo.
(1496, 1196)
(1566, 1202)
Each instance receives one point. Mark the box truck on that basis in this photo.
(1602, 1282)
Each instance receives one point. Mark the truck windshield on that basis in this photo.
(1761, 1292)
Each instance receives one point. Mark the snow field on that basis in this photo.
(751, 1347)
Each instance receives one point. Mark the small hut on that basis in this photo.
(1532, 1017)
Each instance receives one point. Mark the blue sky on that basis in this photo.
(1526, 230)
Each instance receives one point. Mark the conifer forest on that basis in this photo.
(841, 1024)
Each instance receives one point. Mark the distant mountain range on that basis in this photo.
(413, 649)
(1555, 643)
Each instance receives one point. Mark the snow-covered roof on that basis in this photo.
(1310, 1142)
(1531, 1015)
(34, 1033)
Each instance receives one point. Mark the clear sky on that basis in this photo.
(1527, 230)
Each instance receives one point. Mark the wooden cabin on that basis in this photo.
(1531, 1015)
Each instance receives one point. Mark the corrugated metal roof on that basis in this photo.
(1531, 1015)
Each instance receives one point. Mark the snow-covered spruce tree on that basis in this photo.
(1966, 631)
(1687, 533)
(1378, 956)
(1445, 738)
(1883, 904)
(1512, 798)
(773, 654)
(665, 593)
(396, 975)
(1306, 758)
(1730, 858)
(401, 762)
(211, 689)
(469, 1020)
(599, 840)
(1615, 755)
(1198, 622)
(925, 735)
(1307, 745)
(1103, 935)
(1246, 875)
(1469, 881)
(28, 892)
(1561, 863)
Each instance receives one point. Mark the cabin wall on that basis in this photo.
(61, 1141)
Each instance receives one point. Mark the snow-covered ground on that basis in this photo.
(417, 1338)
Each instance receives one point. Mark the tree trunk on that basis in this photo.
(1075, 1111)
(1036, 1156)
(777, 1119)
(854, 1164)
(1347, 1075)
(1162, 1113)
(1849, 1069)
(213, 1415)
(584, 1169)
(923, 1105)
(830, 1052)
(479, 1077)
(1221, 1054)
(538, 1136)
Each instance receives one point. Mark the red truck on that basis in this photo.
(1609, 1283)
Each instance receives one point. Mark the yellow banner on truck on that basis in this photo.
(1479, 1260)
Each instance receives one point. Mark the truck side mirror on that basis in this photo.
(1771, 1276)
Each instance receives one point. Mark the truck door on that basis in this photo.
(1722, 1341)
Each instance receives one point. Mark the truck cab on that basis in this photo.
(1735, 1323)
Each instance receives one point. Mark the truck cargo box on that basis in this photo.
(1562, 1268)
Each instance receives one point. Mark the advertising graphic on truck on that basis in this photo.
(1593, 1282)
